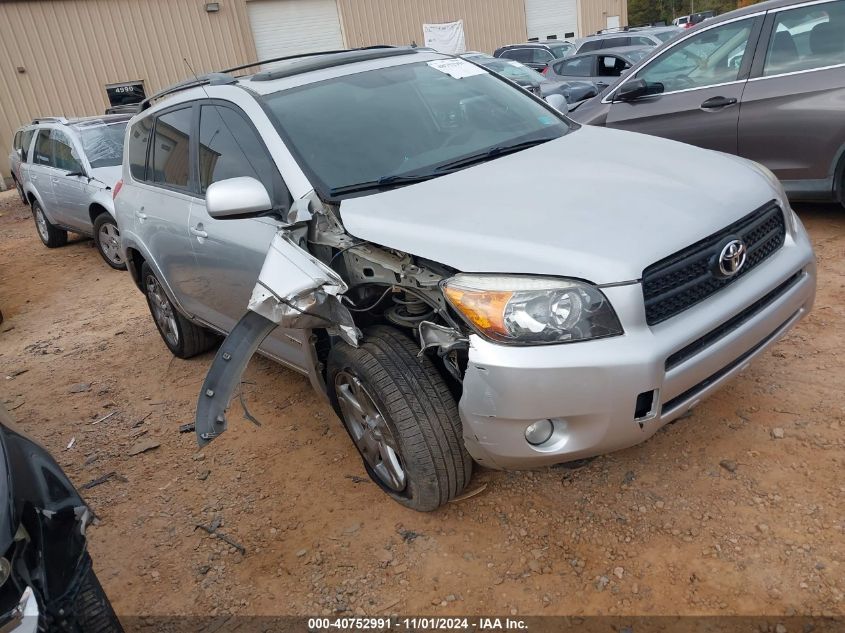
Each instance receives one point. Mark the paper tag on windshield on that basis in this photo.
(457, 68)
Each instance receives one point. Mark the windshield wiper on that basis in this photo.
(385, 182)
(493, 152)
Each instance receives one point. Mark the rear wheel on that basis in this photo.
(402, 417)
(51, 236)
(182, 337)
(107, 239)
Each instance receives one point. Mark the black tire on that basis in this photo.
(51, 236)
(190, 339)
(419, 410)
(92, 610)
(107, 239)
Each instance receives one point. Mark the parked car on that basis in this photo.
(47, 582)
(532, 81)
(536, 55)
(388, 238)
(682, 21)
(629, 37)
(757, 82)
(600, 68)
(66, 173)
(17, 156)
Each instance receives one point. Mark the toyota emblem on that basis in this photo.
(732, 258)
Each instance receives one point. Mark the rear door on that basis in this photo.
(229, 253)
(702, 78)
(791, 117)
(70, 186)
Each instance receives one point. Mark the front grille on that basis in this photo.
(730, 325)
(679, 281)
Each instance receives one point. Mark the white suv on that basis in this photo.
(65, 170)
(373, 219)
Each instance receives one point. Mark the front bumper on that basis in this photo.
(589, 390)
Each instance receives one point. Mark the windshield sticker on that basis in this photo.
(546, 119)
(457, 68)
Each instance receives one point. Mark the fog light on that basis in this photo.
(539, 432)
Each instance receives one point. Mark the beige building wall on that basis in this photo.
(488, 24)
(69, 50)
(593, 14)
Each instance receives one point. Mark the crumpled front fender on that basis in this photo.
(294, 290)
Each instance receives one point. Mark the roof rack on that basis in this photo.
(224, 77)
(340, 58)
(49, 119)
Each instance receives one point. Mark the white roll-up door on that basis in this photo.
(551, 18)
(290, 27)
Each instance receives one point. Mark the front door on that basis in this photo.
(791, 117)
(698, 84)
(229, 253)
(70, 185)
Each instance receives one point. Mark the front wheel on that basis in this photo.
(93, 612)
(107, 239)
(402, 417)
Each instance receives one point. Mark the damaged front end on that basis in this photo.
(315, 277)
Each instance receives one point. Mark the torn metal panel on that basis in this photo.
(445, 339)
(296, 290)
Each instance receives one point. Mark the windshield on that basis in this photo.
(562, 50)
(405, 121)
(512, 70)
(636, 56)
(103, 144)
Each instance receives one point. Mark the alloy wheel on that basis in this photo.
(370, 431)
(162, 310)
(109, 241)
(41, 224)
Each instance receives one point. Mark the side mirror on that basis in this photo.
(558, 102)
(76, 174)
(636, 88)
(237, 198)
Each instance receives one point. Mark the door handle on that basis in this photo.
(197, 230)
(716, 103)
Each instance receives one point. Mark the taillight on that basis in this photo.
(117, 187)
(545, 71)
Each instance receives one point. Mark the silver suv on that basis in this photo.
(372, 220)
(65, 170)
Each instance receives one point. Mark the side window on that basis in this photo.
(229, 147)
(711, 57)
(136, 150)
(519, 54)
(577, 67)
(17, 144)
(611, 66)
(26, 142)
(541, 56)
(592, 45)
(64, 154)
(43, 149)
(641, 41)
(807, 37)
(613, 42)
(170, 159)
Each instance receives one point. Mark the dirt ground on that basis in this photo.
(735, 509)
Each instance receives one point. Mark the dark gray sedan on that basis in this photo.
(601, 68)
(531, 80)
(766, 82)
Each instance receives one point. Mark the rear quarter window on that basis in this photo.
(26, 141)
(17, 143)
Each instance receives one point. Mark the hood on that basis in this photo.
(596, 204)
(109, 175)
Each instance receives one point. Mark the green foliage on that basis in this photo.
(644, 11)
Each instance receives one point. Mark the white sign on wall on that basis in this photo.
(445, 38)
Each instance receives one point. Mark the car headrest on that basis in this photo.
(824, 39)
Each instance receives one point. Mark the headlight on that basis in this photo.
(531, 310)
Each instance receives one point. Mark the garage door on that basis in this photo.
(551, 18)
(290, 27)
